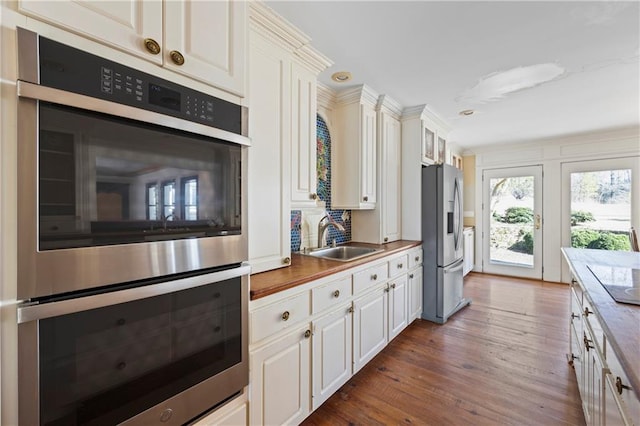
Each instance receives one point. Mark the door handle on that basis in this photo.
(537, 221)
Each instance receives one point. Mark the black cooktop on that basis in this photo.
(623, 284)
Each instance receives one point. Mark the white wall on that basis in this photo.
(551, 154)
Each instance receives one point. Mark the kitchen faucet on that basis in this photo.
(322, 228)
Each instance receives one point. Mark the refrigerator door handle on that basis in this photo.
(457, 215)
(454, 268)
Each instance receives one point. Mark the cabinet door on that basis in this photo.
(414, 292)
(614, 411)
(369, 326)
(332, 353)
(280, 380)
(469, 249)
(210, 36)
(390, 179)
(593, 380)
(268, 168)
(397, 305)
(121, 24)
(303, 137)
(368, 156)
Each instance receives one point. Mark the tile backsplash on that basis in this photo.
(304, 223)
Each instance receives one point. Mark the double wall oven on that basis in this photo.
(132, 246)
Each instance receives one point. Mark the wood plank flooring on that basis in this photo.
(500, 361)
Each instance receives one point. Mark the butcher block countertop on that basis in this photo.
(304, 269)
(620, 321)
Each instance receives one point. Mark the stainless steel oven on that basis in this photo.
(159, 353)
(132, 275)
(123, 176)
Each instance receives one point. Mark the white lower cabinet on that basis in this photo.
(308, 341)
(397, 305)
(280, 374)
(332, 348)
(370, 332)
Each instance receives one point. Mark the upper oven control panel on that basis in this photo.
(73, 70)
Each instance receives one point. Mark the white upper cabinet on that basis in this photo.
(420, 129)
(202, 40)
(382, 224)
(354, 150)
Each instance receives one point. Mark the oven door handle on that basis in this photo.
(61, 97)
(33, 312)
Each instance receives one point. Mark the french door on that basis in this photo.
(512, 221)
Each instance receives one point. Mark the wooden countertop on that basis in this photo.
(306, 268)
(620, 321)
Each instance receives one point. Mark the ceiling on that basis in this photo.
(529, 70)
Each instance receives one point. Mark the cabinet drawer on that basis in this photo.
(370, 276)
(280, 315)
(415, 258)
(330, 294)
(398, 265)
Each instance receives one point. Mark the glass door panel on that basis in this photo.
(512, 218)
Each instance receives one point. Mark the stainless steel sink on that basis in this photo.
(343, 253)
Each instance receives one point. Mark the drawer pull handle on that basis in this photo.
(393, 285)
(374, 277)
(572, 358)
(587, 312)
(574, 316)
(176, 57)
(285, 315)
(365, 198)
(400, 265)
(350, 310)
(336, 293)
(307, 334)
(417, 258)
(386, 289)
(620, 386)
(411, 276)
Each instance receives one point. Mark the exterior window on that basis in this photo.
(152, 201)
(169, 199)
(190, 198)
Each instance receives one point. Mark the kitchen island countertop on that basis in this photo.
(304, 269)
(620, 321)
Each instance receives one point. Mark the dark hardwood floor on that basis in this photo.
(500, 361)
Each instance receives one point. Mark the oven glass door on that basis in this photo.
(104, 180)
(106, 365)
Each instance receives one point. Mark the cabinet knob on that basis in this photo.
(152, 46)
(336, 293)
(176, 57)
(286, 260)
(313, 196)
(572, 358)
(400, 265)
(386, 289)
(620, 386)
(587, 312)
(411, 276)
(574, 316)
(393, 285)
(350, 310)
(307, 334)
(285, 315)
(386, 239)
(374, 277)
(417, 258)
(365, 198)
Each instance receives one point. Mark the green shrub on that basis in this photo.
(610, 241)
(518, 215)
(581, 238)
(525, 244)
(581, 216)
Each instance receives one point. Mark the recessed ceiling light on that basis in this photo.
(341, 76)
(466, 112)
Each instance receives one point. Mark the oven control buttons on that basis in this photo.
(166, 415)
(114, 81)
(201, 109)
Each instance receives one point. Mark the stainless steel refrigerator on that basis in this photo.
(442, 242)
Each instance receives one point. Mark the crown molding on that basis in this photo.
(360, 94)
(326, 96)
(426, 112)
(312, 59)
(389, 106)
(267, 22)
